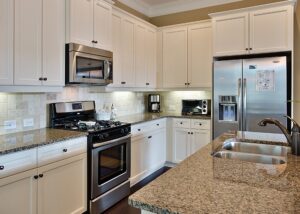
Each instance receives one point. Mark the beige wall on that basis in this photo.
(130, 10)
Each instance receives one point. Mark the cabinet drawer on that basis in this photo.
(18, 162)
(143, 128)
(181, 123)
(61, 150)
(157, 124)
(200, 124)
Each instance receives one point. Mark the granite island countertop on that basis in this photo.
(204, 184)
(144, 117)
(19, 141)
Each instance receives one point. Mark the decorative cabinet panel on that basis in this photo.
(244, 31)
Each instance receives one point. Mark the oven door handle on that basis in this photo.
(111, 141)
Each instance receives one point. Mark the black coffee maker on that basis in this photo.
(154, 103)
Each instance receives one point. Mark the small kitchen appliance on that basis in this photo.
(108, 151)
(154, 103)
(196, 107)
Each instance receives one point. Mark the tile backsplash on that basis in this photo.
(21, 106)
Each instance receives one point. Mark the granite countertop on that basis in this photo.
(10, 143)
(144, 117)
(204, 184)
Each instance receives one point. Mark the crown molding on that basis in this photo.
(172, 7)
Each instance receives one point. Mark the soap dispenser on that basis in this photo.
(295, 135)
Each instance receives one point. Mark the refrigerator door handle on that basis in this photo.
(245, 104)
(240, 119)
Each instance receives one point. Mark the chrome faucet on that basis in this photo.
(284, 130)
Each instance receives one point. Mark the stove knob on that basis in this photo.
(100, 136)
(126, 130)
(106, 135)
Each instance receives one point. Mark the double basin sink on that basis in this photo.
(253, 152)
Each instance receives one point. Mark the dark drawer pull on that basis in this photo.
(157, 124)
(1, 167)
(123, 83)
(189, 132)
(65, 150)
(147, 83)
(139, 130)
(45, 79)
(149, 137)
(36, 177)
(181, 123)
(41, 175)
(200, 124)
(192, 132)
(41, 79)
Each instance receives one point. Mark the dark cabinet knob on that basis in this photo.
(200, 124)
(36, 177)
(149, 137)
(1, 167)
(65, 150)
(189, 132)
(147, 83)
(247, 49)
(192, 132)
(250, 49)
(139, 130)
(41, 175)
(157, 124)
(45, 79)
(181, 123)
(95, 42)
(123, 83)
(41, 79)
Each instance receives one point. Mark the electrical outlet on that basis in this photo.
(10, 124)
(29, 122)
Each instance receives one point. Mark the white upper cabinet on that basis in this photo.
(200, 55)
(260, 29)
(187, 56)
(28, 42)
(6, 42)
(278, 35)
(140, 55)
(175, 57)
(53, 42)
(231, 34)
(80, 19)
(134, 49)
(102, 24)
(127, 46)
(89, 23)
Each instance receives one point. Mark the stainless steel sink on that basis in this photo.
(254, 148)
(254, 158)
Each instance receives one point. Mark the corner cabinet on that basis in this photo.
(89, 23)
(187, 56)
(49, 179)
(244, 31)
(134, 48)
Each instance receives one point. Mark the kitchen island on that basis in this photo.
(205, 184)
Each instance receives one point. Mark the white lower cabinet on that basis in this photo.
(59, 187)
(62, 187)
(148, 149)
(189, 136)
(18, 193)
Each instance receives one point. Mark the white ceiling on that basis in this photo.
(153, 8)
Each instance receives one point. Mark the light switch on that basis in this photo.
(10, 124)
(29, 122)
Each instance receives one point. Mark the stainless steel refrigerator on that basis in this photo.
(248, 90)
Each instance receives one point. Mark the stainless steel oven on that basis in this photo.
(88, 65)
(110, 172)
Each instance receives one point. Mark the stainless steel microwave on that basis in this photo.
(88, 65)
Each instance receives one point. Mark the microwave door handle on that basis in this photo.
(106, 68)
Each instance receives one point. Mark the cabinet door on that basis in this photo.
(157, 149)
(231, 35)
(18, 193)
(137, 157)
(277, 36)
(102, 24)
(6, 42)
(140, 55)
(200, 55)
(180, 144)
(117, 48)
(54, 42)
(199, 138)
(81, 21)
(28, 42)
(128, 72)
(175, 58)
(62, 187)
(151, 58)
